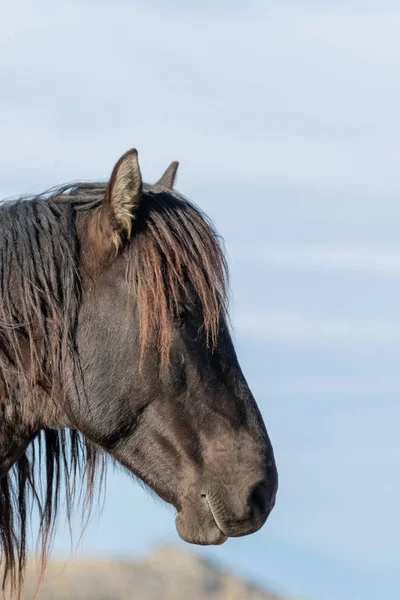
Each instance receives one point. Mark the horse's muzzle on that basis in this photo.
(217, 514)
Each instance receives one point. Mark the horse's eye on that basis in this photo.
(181, 314)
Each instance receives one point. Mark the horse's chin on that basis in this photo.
(199, 527)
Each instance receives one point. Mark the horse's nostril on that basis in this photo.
(259, 499)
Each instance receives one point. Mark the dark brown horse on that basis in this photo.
(114, 341)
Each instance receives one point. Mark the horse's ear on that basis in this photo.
(123, 195)
(168, 178)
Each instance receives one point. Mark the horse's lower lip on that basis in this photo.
(199, 527)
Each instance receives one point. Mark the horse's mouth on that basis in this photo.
(197, 525)
(202, 525)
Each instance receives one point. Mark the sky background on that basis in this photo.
(285, 118)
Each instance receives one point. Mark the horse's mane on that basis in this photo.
(173, 248)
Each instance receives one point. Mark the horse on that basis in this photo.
(115, 342)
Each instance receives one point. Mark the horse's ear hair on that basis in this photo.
(123, 194)
(168, 178)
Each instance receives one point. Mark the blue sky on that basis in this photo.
(285, 119)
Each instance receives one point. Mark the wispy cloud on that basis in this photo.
(349, 258)
(300, 328)
(336, 387)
